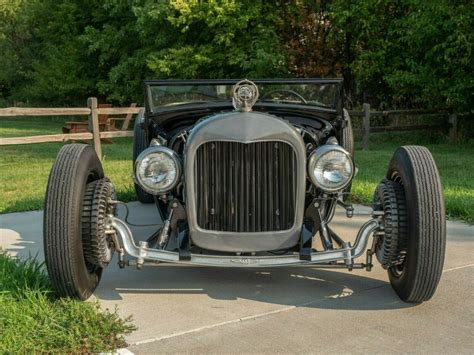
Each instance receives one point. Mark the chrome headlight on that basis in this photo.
(157, 170)
(330, 168)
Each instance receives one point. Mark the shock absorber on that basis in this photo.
(165, 230)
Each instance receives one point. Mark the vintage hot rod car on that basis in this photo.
(245, 174)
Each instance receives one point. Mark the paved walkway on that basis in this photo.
(215, 310)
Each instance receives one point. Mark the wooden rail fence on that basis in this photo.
(92, 111)
(367, 129)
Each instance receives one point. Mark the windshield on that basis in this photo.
(311, 93)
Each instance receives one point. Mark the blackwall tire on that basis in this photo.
(417, 278)
(347, 142)
(76, 165)
(347, 136)
(141, 141)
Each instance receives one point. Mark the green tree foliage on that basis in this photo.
(313, 45)
(185, 39)
(49, 61)
(220, 38)
(410, 52)
(13, 49)
(436, 54)
(391, 53)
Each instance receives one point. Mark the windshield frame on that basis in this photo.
(150, 109)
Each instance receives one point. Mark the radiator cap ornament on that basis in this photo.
(245, 95)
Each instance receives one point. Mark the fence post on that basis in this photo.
(366, 126)
(453, 129)
(94, 125)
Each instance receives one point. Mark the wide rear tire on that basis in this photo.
(347, 142)
(417, 278)
(71, 276)
(347, 135)
(141, 141)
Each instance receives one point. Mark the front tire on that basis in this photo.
(416, 279)
(71, 275)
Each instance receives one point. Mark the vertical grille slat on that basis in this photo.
(245, 187)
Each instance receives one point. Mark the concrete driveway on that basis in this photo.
(284, 310)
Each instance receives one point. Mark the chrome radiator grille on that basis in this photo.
(245, 187)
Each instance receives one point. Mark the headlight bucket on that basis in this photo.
(330, 168)
(157, 170)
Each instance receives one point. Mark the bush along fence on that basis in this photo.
(93, 111)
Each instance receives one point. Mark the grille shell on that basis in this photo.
(243, 127)
(245, 187)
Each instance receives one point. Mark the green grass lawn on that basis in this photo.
(25, 168)
(33, 320)
(455, 164)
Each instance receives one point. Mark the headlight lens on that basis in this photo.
(157, 170)
(330, 168)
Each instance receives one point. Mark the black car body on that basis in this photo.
(244, 182)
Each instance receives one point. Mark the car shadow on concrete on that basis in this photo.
(296, 286)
